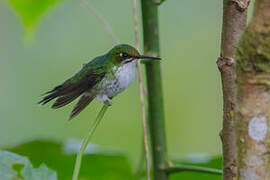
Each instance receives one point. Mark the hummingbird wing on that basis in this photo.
(83, 81)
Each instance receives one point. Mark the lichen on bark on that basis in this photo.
(253, 96)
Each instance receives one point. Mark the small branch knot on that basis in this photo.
(231, 169)
(221, 135)
(242, 5)
(158, 2)
(225, 61)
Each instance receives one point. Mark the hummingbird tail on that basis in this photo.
(66, 99)
(64, 95)
(85, 99)
(48, 98)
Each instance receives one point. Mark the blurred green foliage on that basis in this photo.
(96, 165)
(31, 11)
(15, 167)
(99, 166)
(67, 37)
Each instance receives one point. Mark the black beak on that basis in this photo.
(147, 57)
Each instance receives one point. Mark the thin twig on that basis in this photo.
(136, 31)
(101, 20)
(180, 168)
(139, 171)
(86, 139)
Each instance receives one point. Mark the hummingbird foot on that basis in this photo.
(109, 101)
(104, 98)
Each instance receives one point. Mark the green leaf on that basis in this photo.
(16, 167)
(31, 11)
(202, 161)
(99, 162)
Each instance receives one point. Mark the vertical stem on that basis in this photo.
(86, 139)
(154, 87)
(136, 31)
(234, 23)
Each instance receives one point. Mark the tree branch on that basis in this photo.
(234, 23)
(253, 96)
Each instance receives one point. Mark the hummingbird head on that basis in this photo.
(123, 53)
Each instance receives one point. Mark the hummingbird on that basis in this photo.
(102, 78)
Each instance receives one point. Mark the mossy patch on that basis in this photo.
(253, 52)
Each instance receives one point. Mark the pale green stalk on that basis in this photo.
(86, 139)
(176, 168)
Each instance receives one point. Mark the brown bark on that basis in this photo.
(234, 23)
(253, 96)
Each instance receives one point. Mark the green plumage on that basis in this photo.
(96, 78)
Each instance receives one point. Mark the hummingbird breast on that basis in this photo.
(116, 81)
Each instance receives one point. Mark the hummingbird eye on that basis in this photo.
(124, 55)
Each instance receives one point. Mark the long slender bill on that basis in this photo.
(147, 57)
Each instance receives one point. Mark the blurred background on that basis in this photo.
(38, 54)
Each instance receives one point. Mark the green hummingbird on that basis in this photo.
(102, 78)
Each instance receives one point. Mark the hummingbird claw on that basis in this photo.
(109, 101)
(105, 99)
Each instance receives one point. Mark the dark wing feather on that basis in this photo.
(83, 81)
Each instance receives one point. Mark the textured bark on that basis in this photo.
(234, 23)
(253, 96)
(154, 89)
